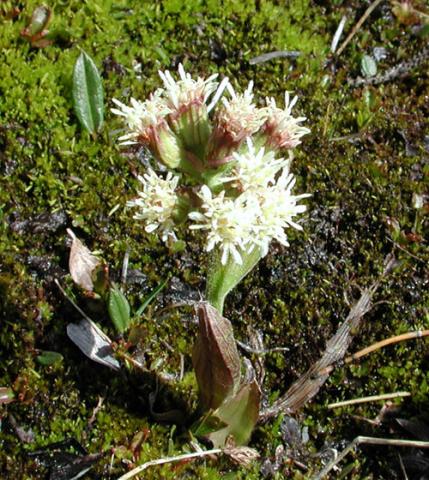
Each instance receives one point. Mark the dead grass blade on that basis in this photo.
(368, 441)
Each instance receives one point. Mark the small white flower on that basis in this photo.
(156, 203)
(186, 91)
(142, 115)
(254, 169)
(239, 117)
(283, 130)
(278, 207)
(228, 223)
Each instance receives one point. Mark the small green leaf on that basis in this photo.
(150, 297)
(221, 279)
(207, 425)
(6, 395)
(368, 66)
(39, 20)
(239, 413)
(178, 246)
(162, 54)
(48, 358)
(88, 94)
(119, 309)
(100, 278)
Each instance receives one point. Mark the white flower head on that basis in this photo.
(228, 223)
(186, 91)
(142, 116)
(253, 219)
(255, 168)
(238, 116)
(282, 129)
(156, 203)
(278, 207)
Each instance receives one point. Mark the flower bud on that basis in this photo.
(147, 125)
(281, 130)
(188, 117)
(237, 119)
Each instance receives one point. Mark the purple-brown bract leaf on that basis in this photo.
(216, 360)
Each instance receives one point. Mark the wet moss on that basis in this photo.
(363, 162)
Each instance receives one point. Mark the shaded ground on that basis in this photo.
(366, 163)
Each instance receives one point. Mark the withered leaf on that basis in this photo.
(82, 263)
(242, 455)
(36, 30)
(215, 358)
(93, 342)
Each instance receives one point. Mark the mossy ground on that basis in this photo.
(365, 158)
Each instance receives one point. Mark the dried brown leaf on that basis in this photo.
(82, 263)
(243, 456)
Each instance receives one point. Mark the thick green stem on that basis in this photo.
(221, 279)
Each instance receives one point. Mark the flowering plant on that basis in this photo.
(222, 166)
(224, 177)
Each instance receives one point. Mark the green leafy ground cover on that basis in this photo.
(364, 162)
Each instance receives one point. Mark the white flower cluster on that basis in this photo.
(254, 169)
(141, 115)
(255, 204)
(283, 130)
(187, 90)
(228, 222)
(239, 115)
(156, 203)
(261, 213)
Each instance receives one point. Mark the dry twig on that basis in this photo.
(356, 28)
(368, 441)
(161, 461)
(372, 398)
(385, 342)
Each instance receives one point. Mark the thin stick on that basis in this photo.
(369, 441)
(401, 463)
(125, 268)
(96, 410)
(161, 461)
(387, 341)
(377, 346)
(401, 70)
(395, 442)
(361, 21)
(372, 398)
(84, 315)
(405, 250)
(338, 34)
(131, 360)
